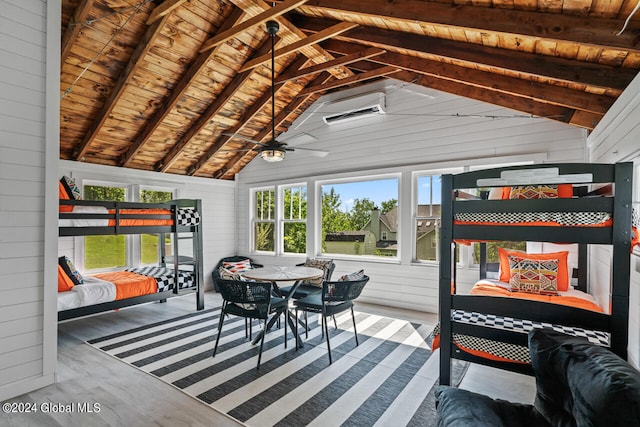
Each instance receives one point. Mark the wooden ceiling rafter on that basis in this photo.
(332, 31)
(261, 18)
(535, 65)
(163, 9)
(209, 114)
(563, 96)
(176, 94)
(314, 52)
(73, 28)
(343, 60)
(284, 114)
(135, 62)
(254, 109)
(579, 29)
(358, 78)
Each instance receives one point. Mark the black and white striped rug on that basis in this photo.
(386, 380)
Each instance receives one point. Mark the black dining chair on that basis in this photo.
(251, 300)
(335, 298)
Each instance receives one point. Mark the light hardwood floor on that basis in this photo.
(129, 397)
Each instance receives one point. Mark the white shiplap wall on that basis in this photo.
(422, 130)
(617, 138)
(29, 129)
(218, 206)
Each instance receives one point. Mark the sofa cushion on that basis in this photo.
(458, 408)
(579, 383)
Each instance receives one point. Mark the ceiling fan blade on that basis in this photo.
(313, 152)
(244, 138)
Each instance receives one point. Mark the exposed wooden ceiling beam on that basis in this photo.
(280, 118)
(559, 95)
(560, 69)
(207, 115)
(368, 75)
(74, 27)
(332, 31)
(135, 62)
(343, 60)
(582, 30)
(163, 9)
(174, 97)
(248, 115)
(265, 16)
(314, 52)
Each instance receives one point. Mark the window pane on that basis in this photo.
(265, 205)
(360, 218)
(492, 250)
(294, 212)
(264, 237)
(104, 251)
(295, 237)
(428, 218)
(149, 251)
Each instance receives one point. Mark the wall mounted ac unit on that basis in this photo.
(355, 107)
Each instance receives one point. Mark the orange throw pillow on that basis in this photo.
(565, 191)
(64, 282)
(62, 195)
(562, 257)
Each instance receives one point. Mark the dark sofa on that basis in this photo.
(577, 384)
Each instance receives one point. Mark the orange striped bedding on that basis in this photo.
(142, 221)
(129, 284)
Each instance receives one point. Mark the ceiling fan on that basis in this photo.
(274, 150)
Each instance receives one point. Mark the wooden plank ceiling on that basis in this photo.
(159, 85)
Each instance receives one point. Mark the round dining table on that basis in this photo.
(274, 274)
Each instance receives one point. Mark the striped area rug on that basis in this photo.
(384, 381)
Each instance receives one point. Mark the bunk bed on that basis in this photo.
(175, 275)
(492, 319)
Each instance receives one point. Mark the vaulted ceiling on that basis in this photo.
(164, 85)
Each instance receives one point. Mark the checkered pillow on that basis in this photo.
(533, 276)
(237, 266)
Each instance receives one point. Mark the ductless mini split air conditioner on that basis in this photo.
(353, 108)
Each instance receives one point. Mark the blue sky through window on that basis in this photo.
(378, 191)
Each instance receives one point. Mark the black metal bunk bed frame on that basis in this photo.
(174, 205)
(619, 236)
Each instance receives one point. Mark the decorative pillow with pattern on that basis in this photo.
(533, 276)
(72, 189)
(534, 192)
(237, 266)
(226, 274)
(356, 275)
(322, 264)
(70, 270)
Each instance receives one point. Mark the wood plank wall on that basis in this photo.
(27, 337)
(617, 138)
(423, 130)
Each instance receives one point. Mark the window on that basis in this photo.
(294, 220)
(427, 218)
(149, 243)
(104, 251)
(356, 214)
(264, 220)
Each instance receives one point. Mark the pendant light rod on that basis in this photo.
(272, 29)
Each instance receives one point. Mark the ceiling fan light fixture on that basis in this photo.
(271, 156)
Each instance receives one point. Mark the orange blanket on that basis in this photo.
(142, 221)
(129, 284)
(488, 289)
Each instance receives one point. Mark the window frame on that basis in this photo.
(254, 221)
(357, 179)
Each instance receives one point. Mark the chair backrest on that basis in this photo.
(328, 268)
(245, 292)
(343, 290)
